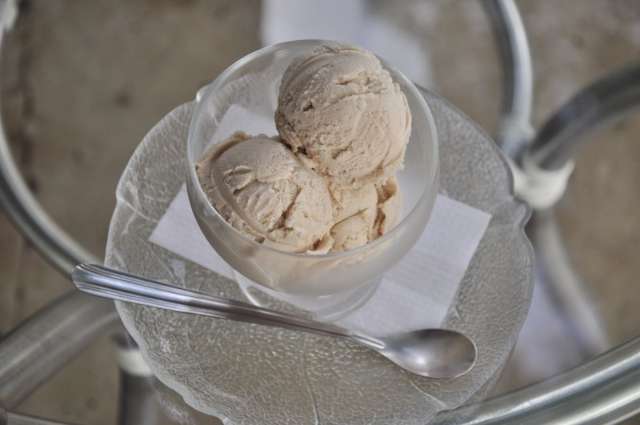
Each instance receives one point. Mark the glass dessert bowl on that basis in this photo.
(329, 285)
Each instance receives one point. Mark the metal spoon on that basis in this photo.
(434, 353)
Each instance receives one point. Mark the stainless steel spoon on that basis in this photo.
(434, 353)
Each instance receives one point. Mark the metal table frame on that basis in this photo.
(604, 390)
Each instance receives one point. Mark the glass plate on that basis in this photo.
(249, 374)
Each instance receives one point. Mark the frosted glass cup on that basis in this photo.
(244, 98)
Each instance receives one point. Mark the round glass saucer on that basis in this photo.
(249, 374)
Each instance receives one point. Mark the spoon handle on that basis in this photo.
(113, 284)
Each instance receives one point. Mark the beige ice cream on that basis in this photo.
(389, 206)
(341, 112)
(328, 183)
(363, 214)
(263, 190)
(355, 213)
(259, 186)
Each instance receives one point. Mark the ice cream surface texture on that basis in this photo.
(342, 113)
(327, 183)
(263, 190)
(363, 214)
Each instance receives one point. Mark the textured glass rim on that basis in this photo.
(396, 74)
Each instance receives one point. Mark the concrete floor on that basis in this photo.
(83, 81)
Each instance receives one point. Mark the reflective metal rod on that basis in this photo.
(515, 130)
(40, 346)
(45, 342)
(18, 203)
(603, 391)
(27, 214)
(566, 288)
(598, 105)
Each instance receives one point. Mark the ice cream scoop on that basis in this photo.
(259, 186)
(342, 113)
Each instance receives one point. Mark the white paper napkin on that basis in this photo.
(415, 294)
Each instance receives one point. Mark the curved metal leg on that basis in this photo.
(566, 287)
(18, 203)
(604, 391)
(515, 130)
(45, 342)
(596, 106)
(39, 347)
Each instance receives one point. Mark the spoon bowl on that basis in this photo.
(433, 353)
